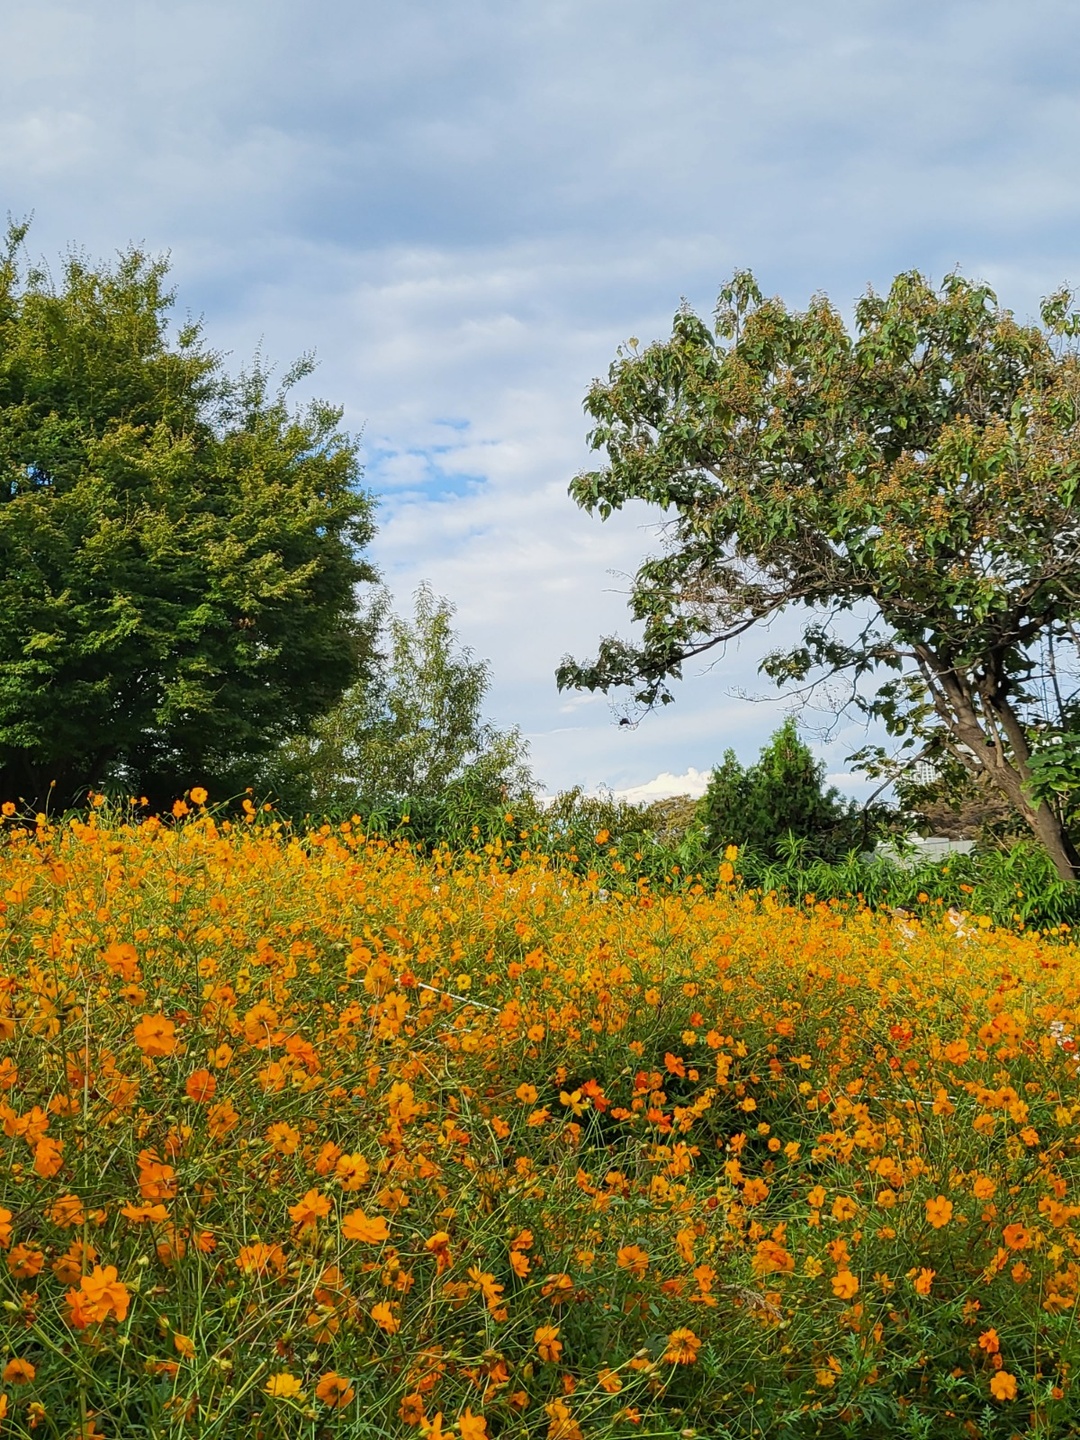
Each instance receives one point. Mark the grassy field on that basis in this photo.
(322, 1137)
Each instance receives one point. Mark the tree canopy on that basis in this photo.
(413, 729)
(179, 549)
(909, 482)
(783, 795)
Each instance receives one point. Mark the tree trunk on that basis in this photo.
(989, 740)
(1057, 843)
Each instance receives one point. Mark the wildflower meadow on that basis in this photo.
(322, 1136)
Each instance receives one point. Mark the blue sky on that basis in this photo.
(464, 206)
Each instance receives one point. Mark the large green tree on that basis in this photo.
(782, 795)
(413, 729)
(179, 550)
(909, 482)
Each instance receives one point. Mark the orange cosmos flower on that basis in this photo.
(357, 1226)
(198, 795)
(67, 1211)
(384, 1315)
(548, 1345)
(122, 959)
(48, 1157)
(1016, 1237)
(563, 1426)
(922, 1280)
(411, 1409)
(634, 1259)
(471, 1427)
(260, 1258)
(155, 1036)
(939, 1211)
(25, 1261)
(310, 1210)
(335, 1391)
(990, 1342)
(433, 1429)
(69, 1267)
(19, 1372)
(754, 1191)
(184, 1344)
(140, 1214)
(439, 1246)
(283, 1139)
(771, 1258)
(156, 1180)
(558, 1288)
(845, 1285)
(351, 1171)
(327, 1158)
(221, 1118)
(1003, 1386)
(844, 1208)
(682, 1347)
(200, 1086)
(98, 1296)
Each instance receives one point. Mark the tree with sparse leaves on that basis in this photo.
(909, 483)
(179, 550)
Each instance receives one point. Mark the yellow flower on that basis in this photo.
(284, 1386)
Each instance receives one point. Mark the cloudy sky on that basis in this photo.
(464, 206)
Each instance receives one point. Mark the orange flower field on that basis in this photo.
(322, 1137)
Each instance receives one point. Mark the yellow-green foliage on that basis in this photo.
(322, 1138)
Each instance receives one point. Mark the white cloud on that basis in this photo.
(693, 783)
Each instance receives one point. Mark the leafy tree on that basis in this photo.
(179, 550)
(413, 729)
(911, 483)
(782, 795)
